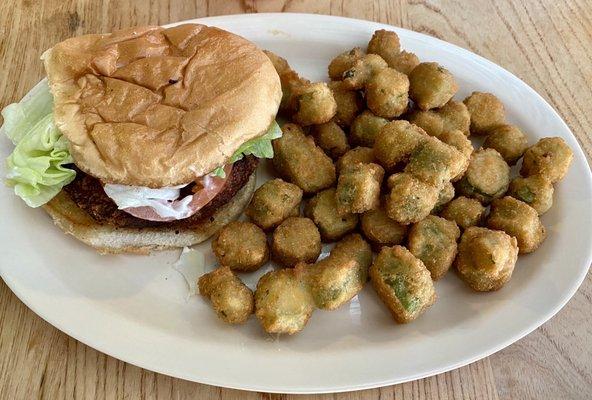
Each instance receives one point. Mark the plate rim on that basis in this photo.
(374, 384)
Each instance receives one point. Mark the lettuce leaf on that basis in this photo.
(19, 118)
(35, 169)
(259, 147)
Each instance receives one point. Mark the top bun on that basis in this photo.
(156, 107)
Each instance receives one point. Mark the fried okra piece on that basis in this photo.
(290, 81)
(381, 230)
(396, 141)
(357, 155)
(343, 62)
(358, 188)
(451, 116)
(283, 303)
(336, 279)
(387, 93)
(486, 110)
(458, 140)
(445, 195)
(410, 199)
(349, 103)
(316, 104)
(296, 240)
(486, 178)
(486, 258)
(403, 283)
(535, 190)
(517, 219)
(331, 138)
(455, 115)
(466, 212)
(431, 85)
(298, 160)
(273, 202)
(429, 121)
(365, 127)
(231, 299)
(435, 162)
(508, 140)
(404, 62)
(322, 210)
(386, 44)
(242, 246)
(362, 70)
(433, 241)
(550, 157)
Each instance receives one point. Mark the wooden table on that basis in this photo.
(546, 43)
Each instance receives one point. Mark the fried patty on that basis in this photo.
(88, 194)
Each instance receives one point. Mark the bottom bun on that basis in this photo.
(108, 239)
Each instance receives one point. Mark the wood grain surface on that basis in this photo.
(546, 43)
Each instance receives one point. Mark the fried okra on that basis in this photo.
(242, 246)
(358, 188)
(403, 283)
(396, 141)
(336, 279)
(362, 70)
(316, 104)
(381, 230)
(458, 140)
(387, 93)
(445, 195)
(298, 160)
(508, 140)
(365, 127)
(535, 190)
(486, 110)
(487, 177)
(410, 199)
(386, 44)
(429, 121)
(322, 210)
(290, 81)
(231, 299)
(343, 62)
(283, 303)
(404, 62)
(435, 162)
(331, 138)
(433, 241)
(357, 155)
(517, 219)
(464, 211)
(273, 202)
(431, 85)
(349, 103)
(550, 157)
(436, 122)
(296, 240)
(455, 115)
(486, 258)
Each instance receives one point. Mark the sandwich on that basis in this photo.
(145, 138)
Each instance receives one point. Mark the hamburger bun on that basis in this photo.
(108, 239)
(158, 107)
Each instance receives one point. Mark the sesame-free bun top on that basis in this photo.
(156, 107)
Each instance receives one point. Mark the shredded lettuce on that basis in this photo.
(259, 147)
(35, 169)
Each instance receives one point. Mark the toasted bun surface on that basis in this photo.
(110, 239)
(159, 107)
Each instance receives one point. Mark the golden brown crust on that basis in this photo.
(157, 107)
